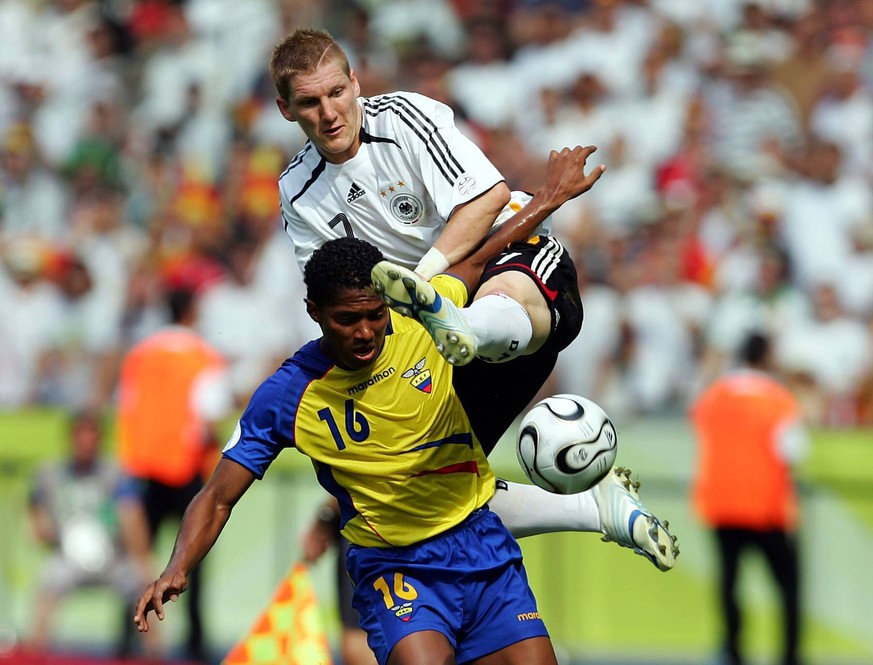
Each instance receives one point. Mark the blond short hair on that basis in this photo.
(302, 52)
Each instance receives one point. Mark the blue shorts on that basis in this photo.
(468, 584)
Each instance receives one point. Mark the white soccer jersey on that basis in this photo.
(413, 168)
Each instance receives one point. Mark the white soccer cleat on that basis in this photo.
(409, 294)
(620, 509)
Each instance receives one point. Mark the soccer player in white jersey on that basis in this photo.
(395, 170)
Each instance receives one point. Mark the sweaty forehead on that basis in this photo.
(318, 82)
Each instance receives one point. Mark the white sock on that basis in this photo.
(501, 326)
(527, 510)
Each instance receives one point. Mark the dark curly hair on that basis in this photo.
(339, 265)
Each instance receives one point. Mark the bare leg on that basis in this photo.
(533, 651)
(427, 647)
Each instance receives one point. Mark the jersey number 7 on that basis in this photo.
(343, 219)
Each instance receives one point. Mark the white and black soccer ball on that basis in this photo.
(566, 444)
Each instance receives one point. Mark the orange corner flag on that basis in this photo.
(289, 631)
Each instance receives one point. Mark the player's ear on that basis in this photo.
(355, 85)
(285, 110)
(313, 311)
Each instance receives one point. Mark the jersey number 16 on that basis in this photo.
(357, 427)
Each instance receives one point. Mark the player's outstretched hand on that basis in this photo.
(565, 174)
(167, 587)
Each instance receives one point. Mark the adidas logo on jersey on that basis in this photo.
(355, 192)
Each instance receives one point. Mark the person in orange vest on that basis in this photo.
(750, 432)
(174, 392)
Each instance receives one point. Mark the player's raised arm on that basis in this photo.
(565, 180)
(201, 525)
(466, 228)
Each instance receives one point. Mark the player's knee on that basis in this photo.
(521, 289)
(507, 331)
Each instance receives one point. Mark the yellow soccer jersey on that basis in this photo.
(391, 441)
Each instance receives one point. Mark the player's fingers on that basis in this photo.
(582, 151)
(158, 605)
(142, 609)
(577, 156)
(595, 174)
(580, 154)
(141, 620)
(571, 153)
(558, 157)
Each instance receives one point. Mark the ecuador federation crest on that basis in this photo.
(419, 376)
(403, 611)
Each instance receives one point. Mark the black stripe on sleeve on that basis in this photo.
(298, 159)
(436, 135)
(366, 137)
(423, 127)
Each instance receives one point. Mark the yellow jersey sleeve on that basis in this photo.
(451, 287)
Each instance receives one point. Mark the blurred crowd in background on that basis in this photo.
(140, 147)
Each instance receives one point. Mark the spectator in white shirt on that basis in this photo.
(829, 359)
(32, 198)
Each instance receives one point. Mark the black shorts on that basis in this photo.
(494, 394)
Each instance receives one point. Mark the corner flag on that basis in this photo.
(289, 631)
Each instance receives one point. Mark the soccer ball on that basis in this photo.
(566, 444)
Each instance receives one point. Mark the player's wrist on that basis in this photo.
(432, 263)
(545, 202)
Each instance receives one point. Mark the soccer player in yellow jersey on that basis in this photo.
(438, 578)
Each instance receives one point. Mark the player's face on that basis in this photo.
(324, 104)
(353, 328)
